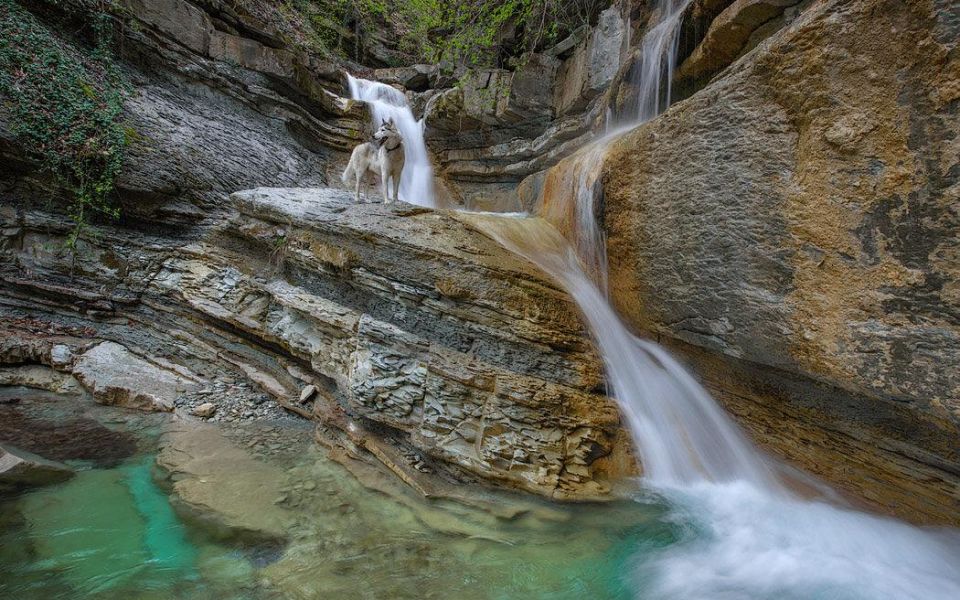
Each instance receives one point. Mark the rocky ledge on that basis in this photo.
(407, 334)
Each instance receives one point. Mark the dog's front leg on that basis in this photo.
(384, 180)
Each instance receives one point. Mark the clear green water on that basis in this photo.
(113, 533)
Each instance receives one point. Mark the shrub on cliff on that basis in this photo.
(481, 32)
(64, 104)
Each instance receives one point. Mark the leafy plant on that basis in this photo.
(65, 105)
(487, 31)
(460, 31)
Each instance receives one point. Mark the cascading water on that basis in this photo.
(756, 538)
(683, 436)
(416, 183)
(653, 75)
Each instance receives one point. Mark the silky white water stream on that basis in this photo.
(748, 535)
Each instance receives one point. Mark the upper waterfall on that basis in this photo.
(653, 74)
(386, 102)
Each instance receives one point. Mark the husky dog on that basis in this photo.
(383, 156)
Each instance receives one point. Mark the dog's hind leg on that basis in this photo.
(396, 187)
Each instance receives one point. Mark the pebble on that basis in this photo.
(307, 393)
(205, 410)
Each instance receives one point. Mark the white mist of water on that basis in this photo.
(386, 102)
(747, 544)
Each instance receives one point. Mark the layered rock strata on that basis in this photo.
(408, 322)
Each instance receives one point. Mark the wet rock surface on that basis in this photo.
(399, 317)
(797, 218)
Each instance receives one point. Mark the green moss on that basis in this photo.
(64, 104)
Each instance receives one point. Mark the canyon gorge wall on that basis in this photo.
(789, 228)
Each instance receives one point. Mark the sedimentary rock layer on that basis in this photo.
(408, 320)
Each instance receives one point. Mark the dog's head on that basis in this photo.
(387, 131)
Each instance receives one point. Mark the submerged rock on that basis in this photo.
(19, 469)
(222, 487)
(59, 428)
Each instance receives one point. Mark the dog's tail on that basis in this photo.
(350, 172)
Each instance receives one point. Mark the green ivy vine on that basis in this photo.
(64, 103)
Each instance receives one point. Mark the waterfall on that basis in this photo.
(386, 102)
(653, 76)
(682, 435)
(756, 537)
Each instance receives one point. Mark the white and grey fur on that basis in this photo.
(384, 156)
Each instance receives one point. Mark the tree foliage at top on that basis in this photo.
(478, 32)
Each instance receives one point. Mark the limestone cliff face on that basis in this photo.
(425, 338)
(221, 102)
(798, 218)
(422, 334)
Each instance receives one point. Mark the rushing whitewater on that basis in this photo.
(756, 538)
(416, 183)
